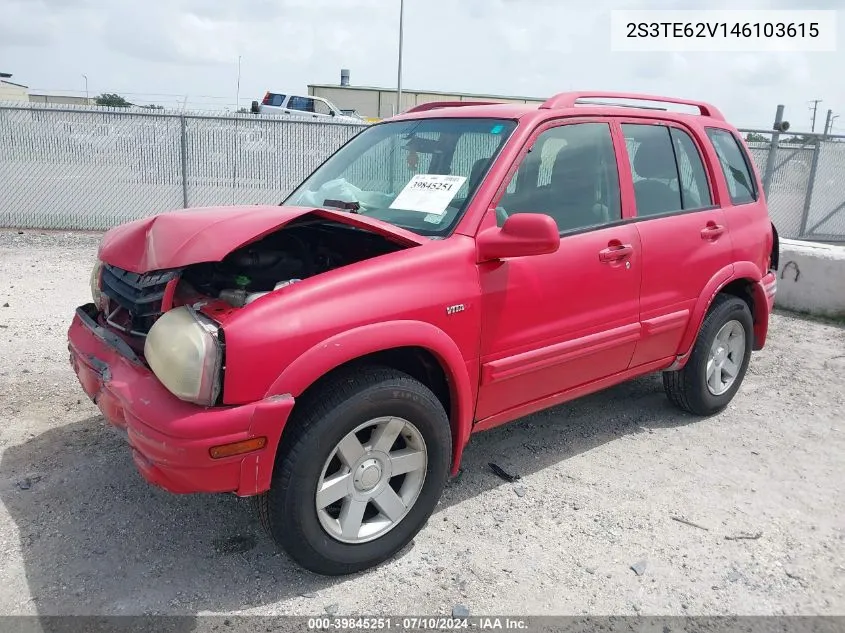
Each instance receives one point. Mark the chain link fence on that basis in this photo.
(801, 174)
(86, 169)
(94, 168)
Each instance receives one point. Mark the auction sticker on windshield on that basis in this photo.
(428, 193)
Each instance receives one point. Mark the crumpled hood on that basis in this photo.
(191, 236)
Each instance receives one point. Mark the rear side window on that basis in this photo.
(735, 166)
(695, 190)
(667, 170)
(276, 100)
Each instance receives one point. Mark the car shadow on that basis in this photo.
(96, 539)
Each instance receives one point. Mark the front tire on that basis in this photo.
(360, 474)
(719, 359)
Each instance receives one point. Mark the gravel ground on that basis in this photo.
(601, 480)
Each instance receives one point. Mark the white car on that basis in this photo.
(299, 106)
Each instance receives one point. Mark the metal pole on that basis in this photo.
(399, 71)
(238, 93)
(184, 144)
(773, 150)
(86, 88)
(827, 122)
(808, 199)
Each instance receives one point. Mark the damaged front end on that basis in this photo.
(173, 319)
(151, 349)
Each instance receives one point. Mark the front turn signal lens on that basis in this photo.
(238, 448)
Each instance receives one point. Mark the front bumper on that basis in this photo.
(170, 439)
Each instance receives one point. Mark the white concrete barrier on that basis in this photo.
(811, 278)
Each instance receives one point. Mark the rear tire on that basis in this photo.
(718, 362)
(341, 444)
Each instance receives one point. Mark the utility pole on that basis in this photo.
(399, 72)
(779, 126)
(827, 122)
(815, 107)
(238, 93)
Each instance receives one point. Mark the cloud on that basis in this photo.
(659, 65)
(25, 25)
(767, 70)
(524, 47)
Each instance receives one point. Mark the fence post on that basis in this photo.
(808, 198)
(773, 152)
(184, 153)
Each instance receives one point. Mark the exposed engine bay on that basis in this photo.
(287, 256)
(133, 302)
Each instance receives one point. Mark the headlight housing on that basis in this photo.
(185, 352)
(96, 280)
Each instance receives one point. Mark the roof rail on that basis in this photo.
(624, 105)
(570, 99)
(434, 105)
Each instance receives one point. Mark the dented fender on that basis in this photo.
(355, 343)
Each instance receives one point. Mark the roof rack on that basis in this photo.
(434, 105)
(624, 105)
(570, 99)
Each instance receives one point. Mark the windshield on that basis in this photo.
(418, 174)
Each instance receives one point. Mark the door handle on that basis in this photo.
(712, 231)
(615, 253)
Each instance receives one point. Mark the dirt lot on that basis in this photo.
(81, 533)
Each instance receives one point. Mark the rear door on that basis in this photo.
(684, 236)
(745, 211)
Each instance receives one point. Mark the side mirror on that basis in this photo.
(332, 112)
(521, 235)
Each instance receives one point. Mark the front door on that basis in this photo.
(554, 322)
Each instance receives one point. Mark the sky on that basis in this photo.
(175, 51)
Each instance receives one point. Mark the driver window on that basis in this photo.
(570, 174)
(320, 107)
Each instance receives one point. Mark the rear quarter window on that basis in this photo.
(735, 166)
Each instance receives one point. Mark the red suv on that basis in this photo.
(446, 271)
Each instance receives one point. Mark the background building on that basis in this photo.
(62, 99)
(10, 91)
(380, 103)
